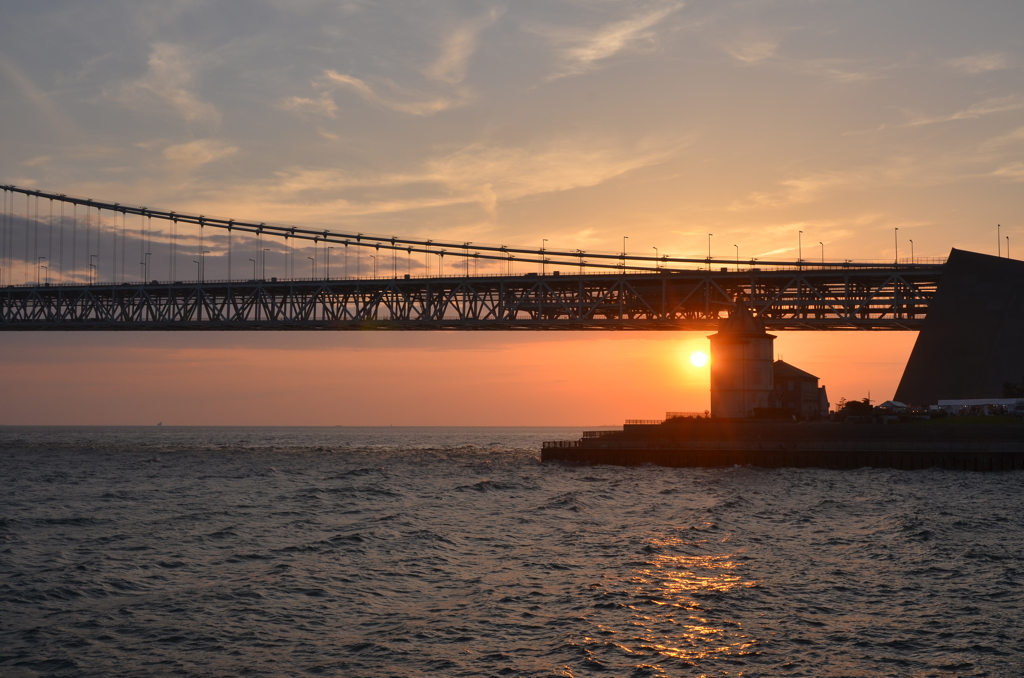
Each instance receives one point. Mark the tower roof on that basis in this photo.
(742, 323)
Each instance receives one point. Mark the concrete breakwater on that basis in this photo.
(711, 443)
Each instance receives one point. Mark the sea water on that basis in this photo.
(455, 552)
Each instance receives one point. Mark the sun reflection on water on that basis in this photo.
(678, 606)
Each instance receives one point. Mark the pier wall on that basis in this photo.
(905, 459)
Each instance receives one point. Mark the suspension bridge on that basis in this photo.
(72, 263)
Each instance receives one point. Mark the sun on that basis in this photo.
(698, 358)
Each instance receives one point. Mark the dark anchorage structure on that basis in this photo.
(972, 341)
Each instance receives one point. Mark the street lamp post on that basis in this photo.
(911, 252)
(253, 268)
(737, 257)
(822, 252)
(46, 279)
(543, 257)
(312, 267)
(624, 239)
(657, 265)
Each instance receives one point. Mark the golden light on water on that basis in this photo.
(674, 581)
(698, 358)
(673, 599)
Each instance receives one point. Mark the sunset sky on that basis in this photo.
(579, 122)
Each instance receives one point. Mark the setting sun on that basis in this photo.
(698, 358)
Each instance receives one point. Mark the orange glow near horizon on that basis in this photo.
(412, 379)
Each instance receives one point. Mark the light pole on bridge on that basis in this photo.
(253, 268)
(544, 258)
(911, 252)
(312, 268)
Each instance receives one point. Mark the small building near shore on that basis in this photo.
(798, 392)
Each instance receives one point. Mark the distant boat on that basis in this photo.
(159, 423)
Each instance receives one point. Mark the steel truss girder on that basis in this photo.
(894, 299)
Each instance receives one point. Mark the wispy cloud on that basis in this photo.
(458, 47)
(197, 153)
(37, 161)
(448, 69)
(759, 50)
(753, 51)
(1004, 140)
(987, 107)
(980, 63)
(321, 105)
(1013, 171)
(581, 50)
(399, 99)
(796, 191)
(403, 100)
(168, 81)
(39, 99)
(477, 174)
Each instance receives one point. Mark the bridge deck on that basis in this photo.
(800, 299)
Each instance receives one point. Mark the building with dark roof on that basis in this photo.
(797, 392)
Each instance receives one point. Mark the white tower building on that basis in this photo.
(742, 374)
